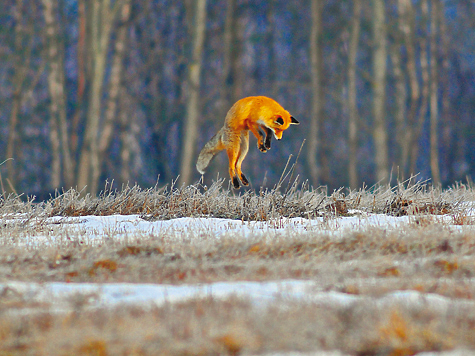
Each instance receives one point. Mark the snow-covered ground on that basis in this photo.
(93, 229)
(97, 228)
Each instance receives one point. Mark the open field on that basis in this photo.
(207, 271)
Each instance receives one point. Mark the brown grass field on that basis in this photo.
(431, 253)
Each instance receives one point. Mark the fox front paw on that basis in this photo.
(244, 180)
(262, 147)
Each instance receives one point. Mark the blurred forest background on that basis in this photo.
(129, 90)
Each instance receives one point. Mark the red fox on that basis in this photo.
(259, 114)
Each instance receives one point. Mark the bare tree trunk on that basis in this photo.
(101, 17)
(352, 107)
(401, 95)
(56, 90)
(231, 60)
(18, 80)
(424, 60)
(126, 139)
(401, 99)
(445, 114)
(16, 102)
(12, 128)
(58, 97)
(270, 78)
(194, 72)
(114, 88)
(406, 24)
(81, 58)
(380, 136)
(434, 110)
(317, 101)
(229, 54)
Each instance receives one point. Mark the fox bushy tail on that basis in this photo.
(209, 151)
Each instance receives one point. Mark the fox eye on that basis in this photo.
(279, 121)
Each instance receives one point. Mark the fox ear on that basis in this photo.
(279, 121)
(293, 121)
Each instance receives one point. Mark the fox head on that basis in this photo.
(282, 123)
(278, 123)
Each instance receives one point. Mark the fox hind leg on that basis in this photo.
(236, 183)
(233, 154)
(236, 154)
(242, 154)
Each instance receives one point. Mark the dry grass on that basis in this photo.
(428, 255)
(294, 201)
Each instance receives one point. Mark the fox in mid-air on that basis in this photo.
(263, 116)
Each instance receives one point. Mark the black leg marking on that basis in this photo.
(244, 179)
(236, 182)
(268, 138)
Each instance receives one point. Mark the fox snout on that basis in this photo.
(277, 134)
